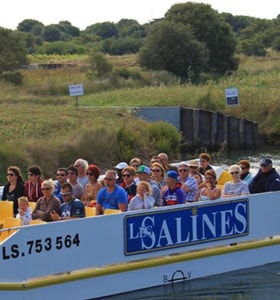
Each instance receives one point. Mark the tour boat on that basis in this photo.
(111, 254)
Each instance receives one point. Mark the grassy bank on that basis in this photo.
(40, 123)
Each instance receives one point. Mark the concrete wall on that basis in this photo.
(204, 129)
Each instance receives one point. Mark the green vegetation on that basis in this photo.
(186, 59)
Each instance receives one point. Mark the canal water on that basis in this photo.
(258, 283)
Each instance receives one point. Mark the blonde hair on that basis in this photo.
(23, 200)
(235, 168)
(145, 185)
(49, 183)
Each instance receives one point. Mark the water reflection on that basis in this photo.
(257, 283)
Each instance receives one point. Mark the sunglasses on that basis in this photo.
(126, 175)
(10, 174)
(89, 173)
(135, 166)
(232, 173)
(109, 179)
(65, 194)
(45, 189)
(60, 174)
(183, 170)
(155, 170)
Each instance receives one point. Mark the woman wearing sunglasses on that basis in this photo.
(235, 187)
(46, 204)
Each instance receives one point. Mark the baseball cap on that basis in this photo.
(172, 174)
(121, 165)
(144, 169)
(265, 162)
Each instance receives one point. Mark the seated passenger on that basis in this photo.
(246, 175)
(210, 191)
(46, 204)
(143, 198)
(128, 182)
(189, 184)
(267, 179)
(71, 207)
(173, 194)
(93, 185)
(204, 160)
(235, 187)
(112, 196)
(24, 211)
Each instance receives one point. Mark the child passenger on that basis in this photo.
(24, 211)
(143, 198)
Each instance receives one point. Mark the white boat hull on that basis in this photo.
(105, 255)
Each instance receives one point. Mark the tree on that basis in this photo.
(99, 65)
(105, 30)
(210, 28)
(51, 33)
(171, 46)
(30, 25)
(13, 55)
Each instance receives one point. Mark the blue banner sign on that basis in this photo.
(158, 229)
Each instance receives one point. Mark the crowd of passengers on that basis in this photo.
(129, 186)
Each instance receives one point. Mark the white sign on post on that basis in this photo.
(76, 90)
(232, 96)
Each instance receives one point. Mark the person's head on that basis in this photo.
(110, 178)
(244, 165)
(93, 172)
(72, 173)
(144, 187)
(81, 165)
(47, 187)
(158, 170)
(235, 171)
(34, 173)
(155, 159)
(14, 174)
(144, 173)
(164, 158)
(119, 167)
(183, 170)
(66, 192)
(210, 176)
(198, 177)
(204, 160)
(61, 175)
(135, 162)
(193, 166)
(23, 203)
(266, 165)
(171, 178)
(128, 174)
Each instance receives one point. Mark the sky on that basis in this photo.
(83, 13)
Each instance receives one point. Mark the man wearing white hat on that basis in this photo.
(119, 167)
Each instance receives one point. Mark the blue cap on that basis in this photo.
(172, 174)
(265, 162)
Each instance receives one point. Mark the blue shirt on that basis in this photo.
(111, 200)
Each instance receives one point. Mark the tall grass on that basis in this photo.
(40, 123)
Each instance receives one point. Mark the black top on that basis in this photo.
(13, 195)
